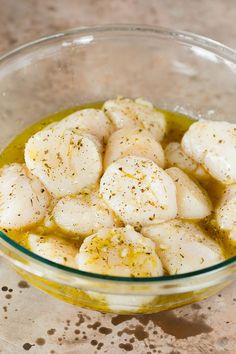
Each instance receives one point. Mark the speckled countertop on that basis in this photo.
(34, 322)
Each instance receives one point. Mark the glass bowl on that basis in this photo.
(177, 71)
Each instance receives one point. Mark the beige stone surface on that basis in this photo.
(30, 317)
(34, 322)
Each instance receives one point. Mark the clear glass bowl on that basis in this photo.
(176, 71)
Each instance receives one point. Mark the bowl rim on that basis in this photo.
(188, 37)
(73, 271)
(184, 36)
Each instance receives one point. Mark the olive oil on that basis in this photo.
(177, 125)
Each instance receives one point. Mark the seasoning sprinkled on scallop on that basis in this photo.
(213, 144)
(91, 121)
(192, 200)
(138, 191)
(24, 199)
(66, 162)
(119, 251)
(176, 157)
(133, 141)
(125, 112)
(83, 214)
(183, 246)
(54, 248)
(225, 211)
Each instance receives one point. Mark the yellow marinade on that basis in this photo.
(177, 124)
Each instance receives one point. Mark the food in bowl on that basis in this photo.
(123, 189)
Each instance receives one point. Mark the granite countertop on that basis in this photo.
(34, 322)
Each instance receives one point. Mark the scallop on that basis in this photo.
(83, 214)
(213, 144)
(192, 200)
(91, 121)
(138, 191)
(183, 246)
(24, 199)
(176, 157)
(64, 161)
(232, 236)
(53, 248)
(119, 252)
(125, 112)
(226, 209)
(133, 141)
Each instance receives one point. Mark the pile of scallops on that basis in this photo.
(102, 176)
